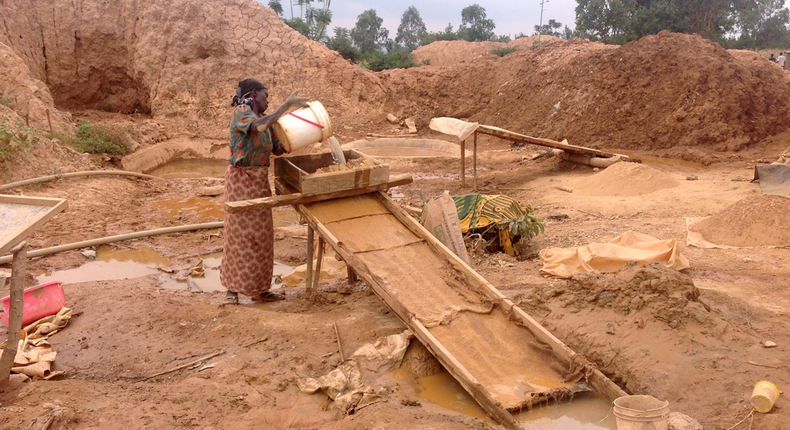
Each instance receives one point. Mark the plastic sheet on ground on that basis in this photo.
(774, 178)
(453, 127)
(345, 383)
(611, 257)
(34, 355)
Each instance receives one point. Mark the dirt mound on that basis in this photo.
(659, 92)
(760, 220)
(450, 52)
(667, 295)
(625, 179)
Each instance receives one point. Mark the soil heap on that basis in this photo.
(446, 53)
(760, 220)
(660, 92)
(625, 179)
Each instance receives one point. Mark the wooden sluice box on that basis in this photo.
(501, 356)
(318, 174)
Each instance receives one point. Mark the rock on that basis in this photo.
(769, 344)
(747, 260)
(692, 178)
(678, 421)
(596, 169)
(392, 119)
(610, 329)
(557, 215)
(412, 126)
(212, 191)
(89, 254)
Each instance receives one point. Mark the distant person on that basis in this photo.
(248, 252)
(781, 60)
(771, 58)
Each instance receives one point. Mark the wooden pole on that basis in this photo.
(474, 160)
(49, 121)
(319, 259)
(309, 273)
(463, 162)
(18, 271)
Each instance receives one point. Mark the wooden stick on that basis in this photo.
(309, 272)
(49, 120)
(339, 344)
(352, 275)
(18, 272)
(52, 417)
(298, 198)
(463, 163)
(763, 365)
(319, 260)
(474, 161)
(566, 189)
(183, 366)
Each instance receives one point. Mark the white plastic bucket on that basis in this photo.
(641, 413)
(304, 126)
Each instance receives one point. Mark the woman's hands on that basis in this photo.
(293, 100)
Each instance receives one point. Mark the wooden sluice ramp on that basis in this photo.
(497, 352)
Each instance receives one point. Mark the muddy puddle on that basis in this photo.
(406, 148)
(211, 208)
(114, 264)
(585, 412)
(190, 169)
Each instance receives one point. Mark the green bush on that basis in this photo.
(14, 136)
(95, 139)
(395, 59)
(504, 51)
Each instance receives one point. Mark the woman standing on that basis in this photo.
(248, 259)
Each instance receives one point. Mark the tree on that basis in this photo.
(447, 34)
(411, 30)
(342, 44)
(276, 6)
(474, 25)
(367, 34)
(738, 23)
(318, 19)
(550, 29)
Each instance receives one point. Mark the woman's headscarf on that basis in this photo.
(243, 91)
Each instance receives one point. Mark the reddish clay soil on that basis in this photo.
(684, 104)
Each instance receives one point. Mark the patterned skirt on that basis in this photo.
(248, 258)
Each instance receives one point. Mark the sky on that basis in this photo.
(510, 16)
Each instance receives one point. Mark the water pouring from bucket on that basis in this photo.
(307, 126)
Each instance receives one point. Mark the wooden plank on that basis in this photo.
(18, 272)
(476, 390)
(509, 135)
(56, 206)
(298, 198)
(474, 161)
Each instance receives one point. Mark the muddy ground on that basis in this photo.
(125, 330)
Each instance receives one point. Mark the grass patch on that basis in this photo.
(95, 139)
(5, 101)
(14, 136)
(504, 51)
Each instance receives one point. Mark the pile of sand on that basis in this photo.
(666, 294)
(625, 179)
(762, 220)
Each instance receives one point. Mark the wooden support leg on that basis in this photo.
(319, 259)
(352, 275)
(474, 160)
(18, 270)
(463, 163)
(309, 273)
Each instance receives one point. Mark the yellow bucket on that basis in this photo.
(764, 396)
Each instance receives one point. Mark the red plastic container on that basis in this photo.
(41, 301)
